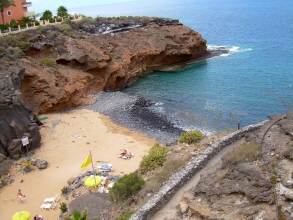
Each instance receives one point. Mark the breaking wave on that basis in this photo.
(231, 49)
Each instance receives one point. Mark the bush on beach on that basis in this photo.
(155, 158)
(191, 137)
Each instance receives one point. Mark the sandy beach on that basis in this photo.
(67, 138)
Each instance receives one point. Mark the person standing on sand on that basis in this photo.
(21, 196)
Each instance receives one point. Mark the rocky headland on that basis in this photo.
(54, 67)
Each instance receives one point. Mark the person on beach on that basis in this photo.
(21, 197)
(125, 154)
(38, 217)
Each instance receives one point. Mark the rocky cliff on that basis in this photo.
(66, 62)
(16, 121)
(58, 66)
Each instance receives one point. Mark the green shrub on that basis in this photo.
(126, 187)
(76, 215)
(155, 158)
(125, 215)
(48, 62)
(191, 137)
(65, 28)
(10, 40)
(23, 45)
(4, 27)
(63, 207)
(246, 152)
(64, 190)
(15, 41)
(24, 21)
(13, 24)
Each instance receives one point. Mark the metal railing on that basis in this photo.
(34, 26)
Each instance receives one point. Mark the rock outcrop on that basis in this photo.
(62, 69)
(16, 121)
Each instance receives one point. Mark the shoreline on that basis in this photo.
(94, 132)
(136, 113)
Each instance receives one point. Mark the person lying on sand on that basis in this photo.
(125, 154)
(21, 197)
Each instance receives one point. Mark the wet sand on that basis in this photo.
(66, 140)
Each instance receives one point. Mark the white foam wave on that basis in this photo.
(231, 49)
(235, 49)
(204, 131)
(159, 103)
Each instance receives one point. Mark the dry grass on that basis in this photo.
(162, 174)
(50, 62)
(246, 152)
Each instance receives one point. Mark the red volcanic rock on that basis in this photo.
(85, 62)
(54, 67)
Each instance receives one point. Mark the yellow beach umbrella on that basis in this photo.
(92, 181)
(23, 215)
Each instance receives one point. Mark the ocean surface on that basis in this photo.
(253, 82)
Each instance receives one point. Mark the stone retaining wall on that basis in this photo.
(183, 175)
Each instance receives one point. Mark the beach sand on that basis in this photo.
(67, 139)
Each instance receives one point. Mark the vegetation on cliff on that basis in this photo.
(126, 187)
(191, 137)
(154, 159)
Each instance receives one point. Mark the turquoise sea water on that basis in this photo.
(253, 82)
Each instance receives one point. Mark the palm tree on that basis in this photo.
(4, 4)
(78, 216)
(62, 12)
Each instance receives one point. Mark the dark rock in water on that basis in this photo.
(16, 121)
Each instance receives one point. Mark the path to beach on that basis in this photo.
(169, 210)
(66, 141)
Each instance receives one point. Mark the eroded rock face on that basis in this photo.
(245, 178)
(62, 69)
(16, 120)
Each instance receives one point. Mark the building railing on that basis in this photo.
(34, 25)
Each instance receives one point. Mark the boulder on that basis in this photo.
(16, 120)
(244, 178)
(183, 207)
(40, 164)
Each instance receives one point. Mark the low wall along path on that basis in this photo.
(181, 177)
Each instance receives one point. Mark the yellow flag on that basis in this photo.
(86, 162)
